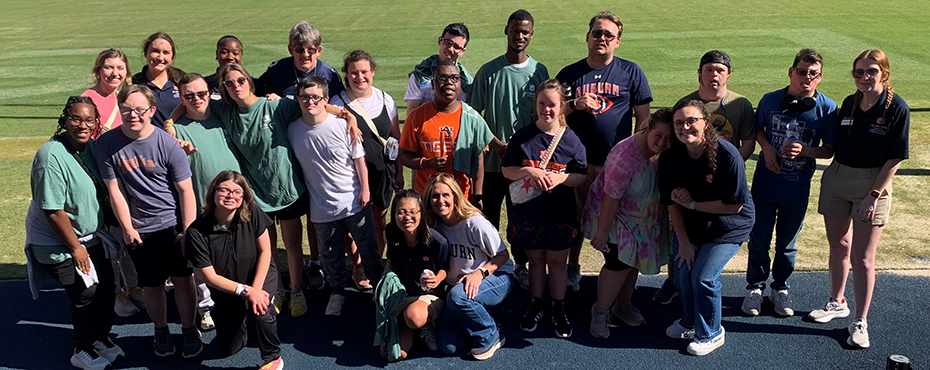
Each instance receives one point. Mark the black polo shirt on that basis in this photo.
(232, 252)
(874, 136)
(409, 262)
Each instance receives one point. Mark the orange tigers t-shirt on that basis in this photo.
(423, 134)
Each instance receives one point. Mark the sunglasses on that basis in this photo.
(596, 34)
(232, 83)
(198, 94)
(812, 74)
(301, 50)
(446, 43)
(871, 72)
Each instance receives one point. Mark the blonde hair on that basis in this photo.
(221, 77)
(461, 208)
(102, 58)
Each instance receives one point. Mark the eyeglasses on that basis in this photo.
(449, 78)
(78, 120)
(810, 73)
(227, 192)
(596, 34)
(301, 50)
(871, 72)
(446, 43)
(126, 111)
(309, 98)
(688, 122)
(404, 214)
(232, 83)
(198, 94)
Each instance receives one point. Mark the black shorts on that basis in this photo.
(611, 262)
(159, 257)
(299, 208)
(536, 236)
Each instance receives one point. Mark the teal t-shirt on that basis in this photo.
(259, 131)
(215, 152)
(505, 93)
(58, 182)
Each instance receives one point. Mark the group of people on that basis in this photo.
(176, 177)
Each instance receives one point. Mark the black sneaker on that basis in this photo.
(192, 343)
(666, 293)
(162, 343)
(531, 318)
(563, 329)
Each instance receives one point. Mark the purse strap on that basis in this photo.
(361, 111)
(551, 149)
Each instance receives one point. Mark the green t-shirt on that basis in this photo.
(505, 93)
(259, 131)
(734, 119)
(58, 182)
(215, 152)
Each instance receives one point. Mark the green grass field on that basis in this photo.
(48, 47)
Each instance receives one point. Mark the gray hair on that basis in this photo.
(304, 32)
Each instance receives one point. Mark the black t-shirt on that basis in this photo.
(232, 252)
(409, 262)
(525, 149)
(871, 140)
(728, 184)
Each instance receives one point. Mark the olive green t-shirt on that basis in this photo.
(732, 116)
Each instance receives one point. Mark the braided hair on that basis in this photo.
(72, 101)
(882, 60)
(710, 132)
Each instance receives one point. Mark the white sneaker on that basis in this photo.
(859, 334)
(676, 331)
(87, 361)
(832, 310)
(522, 276)
(109, 351)
(703, 347)
(752, 304)
(334, 307)
(206, 322)
(123, 307)
(429, 337)
(782, 302)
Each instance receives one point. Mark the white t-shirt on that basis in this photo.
(472, 243)
(423, 92)
(371, 104)
(326, 157)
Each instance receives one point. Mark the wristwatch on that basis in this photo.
(242, 290)
(875, 193)
(484, 272)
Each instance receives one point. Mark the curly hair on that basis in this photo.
(66, 111)
(710, 134)
(356, 56)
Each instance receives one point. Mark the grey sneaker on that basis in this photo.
(677, 331)
(574, 276)
(666, 293)
(89, 361)
(522, 276)
(334, 307)
(859, 334)
(428, 333)
(599, 322)
(782, 302)
(123, 307)
(162, 342)
(108, 350)
(752, 304)
(832, 310)
(627, 314)
(193, 345)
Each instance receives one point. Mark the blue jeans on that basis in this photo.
(465, 317)
(699, 288)
(785, 218)
(331, 238)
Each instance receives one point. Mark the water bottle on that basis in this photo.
(792, 135)
(426, 273)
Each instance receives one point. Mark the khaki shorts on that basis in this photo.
(843, 188)
(435, 306)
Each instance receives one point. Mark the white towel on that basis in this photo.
(91, 278)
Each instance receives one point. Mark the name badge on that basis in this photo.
(846, 122)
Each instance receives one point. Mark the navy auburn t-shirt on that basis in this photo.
(728, 184)
(872, 137)
(619, 86)
(282, 77)
(526, 149)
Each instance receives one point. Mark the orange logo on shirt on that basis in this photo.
(139, 161)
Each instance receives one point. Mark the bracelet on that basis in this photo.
(345, 113)
(875, 193)
(421, 163)
(691, 206)
(169, 122)
(239, 289)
